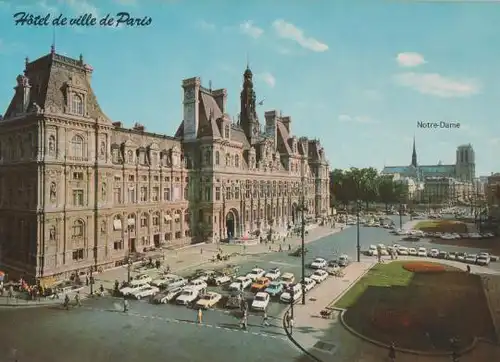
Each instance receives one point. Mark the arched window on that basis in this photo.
(226, 131)
(78, 228)
(130, 156)
(156, 219)
(77, 104)
(217, 157)
(77, 146)
(207, 158)
(236, 161)
(228, 159)
(144, 220)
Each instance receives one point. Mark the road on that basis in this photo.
(99, 331)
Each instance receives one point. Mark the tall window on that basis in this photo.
(236, 161)
(156, 219)
(78, 197)
(217, 193)
(117, 195)
(207, 158)
(186, 193)
(155, 193)
(131, 195)
(226, 131)
(78, 227)
(77, 105)
(144, 194)
(144, 220)
(77, 146)
(217, 157)
(166, 194)
(130, 156)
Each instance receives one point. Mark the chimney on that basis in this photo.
(271, 124)
(118, 124)
(220, 96)
(191, 115)
(24, 88)
(286, 122)
(139, 127)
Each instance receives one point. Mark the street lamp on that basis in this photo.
(129, 267)
(400, 215)
(303, 209)
(91, 281)
(358, 246)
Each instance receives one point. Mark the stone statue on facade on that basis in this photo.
(102, 150)
(52, 145)
(52, 233)
(103, 192)
(53, 192)
(103, 227)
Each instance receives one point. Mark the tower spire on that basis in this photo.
(248, 62)
(53, 46)
(414, 154)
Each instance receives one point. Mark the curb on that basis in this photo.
(405, 350)
(290, 337)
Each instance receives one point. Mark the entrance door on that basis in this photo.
(230, 225)
(156, 240)
(132, 245)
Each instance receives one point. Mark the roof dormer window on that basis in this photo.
(77, 104)
(226, 131)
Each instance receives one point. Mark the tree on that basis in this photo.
(339, 188)
(386, 190)
(203, 231)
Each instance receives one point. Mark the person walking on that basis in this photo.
(200, 316)
(125, 305)
(77, 299)
(468, 269)
(265, 319)
(392, 352)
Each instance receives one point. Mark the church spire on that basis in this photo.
(414, 154)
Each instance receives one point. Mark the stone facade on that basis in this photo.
(78, 190)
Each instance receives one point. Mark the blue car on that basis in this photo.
(274, 289)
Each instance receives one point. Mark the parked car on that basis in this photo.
(319, 275)
(295, 289)
(132, 289)
(166, 297)
(452, 255)
(434, 253)
(141, 279)
(422, 252)
(160, 282)
(198, 284)
(208, 300)
(256, 273)
(187, 296)
(287, 279)
(344, 260)
(443, 254)
(319, 263)
(332, 269)
(201, 274)
(372, 250)
(219, 279)
(274, 288)
(240, 283)
(260, 284)
(471, 259)
(261, 301)
(309, 284)
(273, 274)
(383, 249)
(461, 256)
(234, 300)
(147, 291)
(403, 250)
(483, 260)
(412, 252)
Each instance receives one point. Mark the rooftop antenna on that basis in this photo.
(248, 61)
(53, 46)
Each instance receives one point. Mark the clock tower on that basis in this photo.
(248, 114)
(191, 88)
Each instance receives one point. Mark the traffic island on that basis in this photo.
(418, 306)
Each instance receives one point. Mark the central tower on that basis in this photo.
(414, 154)
(248, 115)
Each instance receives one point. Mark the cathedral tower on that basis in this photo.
(248, 115)
(414, 154)
(465, 167)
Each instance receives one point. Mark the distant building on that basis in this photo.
(438, 183)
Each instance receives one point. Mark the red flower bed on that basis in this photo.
(424, 267)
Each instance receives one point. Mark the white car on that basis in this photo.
(412, 252)
(383, 249)
(132, 289)
(177, 282)
(344, 260)
(260, 301)
(403, 250)
(160, 282)
(141, 279)
(256, 273)
(273, 274)
(240, 283)
(332, 269)
(422, 252)
(147, 291)
(219, 279)
(198, 284)
(309, 284)
(204, 274)
(164, 298)
(319, 275)
(372, 251)
(471, 259)
(319, 263)
(286, 279)
(286, 296)
(187, 296)
(434, 253)
(483, 260)
(208, 300)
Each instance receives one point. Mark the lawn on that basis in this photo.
(443, 226)
(419, 311)
(381, 275)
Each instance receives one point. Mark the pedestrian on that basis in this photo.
(158, 264)
(392, 352)
(265, 319)
(77, 299)
(468, 269)
(201, 251)
(87, 281)
(125, 305)
(200, 316)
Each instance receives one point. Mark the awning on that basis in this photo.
(167, 218)
(131, 222)
(117, 225)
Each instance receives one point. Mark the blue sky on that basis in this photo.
(357, 74)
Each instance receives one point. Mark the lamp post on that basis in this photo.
(400, 215)
(358, 246)
(91, 281)
(129, 267)
(292, 315)
(303, 209)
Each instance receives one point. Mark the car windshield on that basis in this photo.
(260, 298)
(260, 281)
(187, 292)
(318, 260)
(207, 297)
(318, 273)
(273, 286)
(255, 271)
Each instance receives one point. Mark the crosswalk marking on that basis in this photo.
(172, 320)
